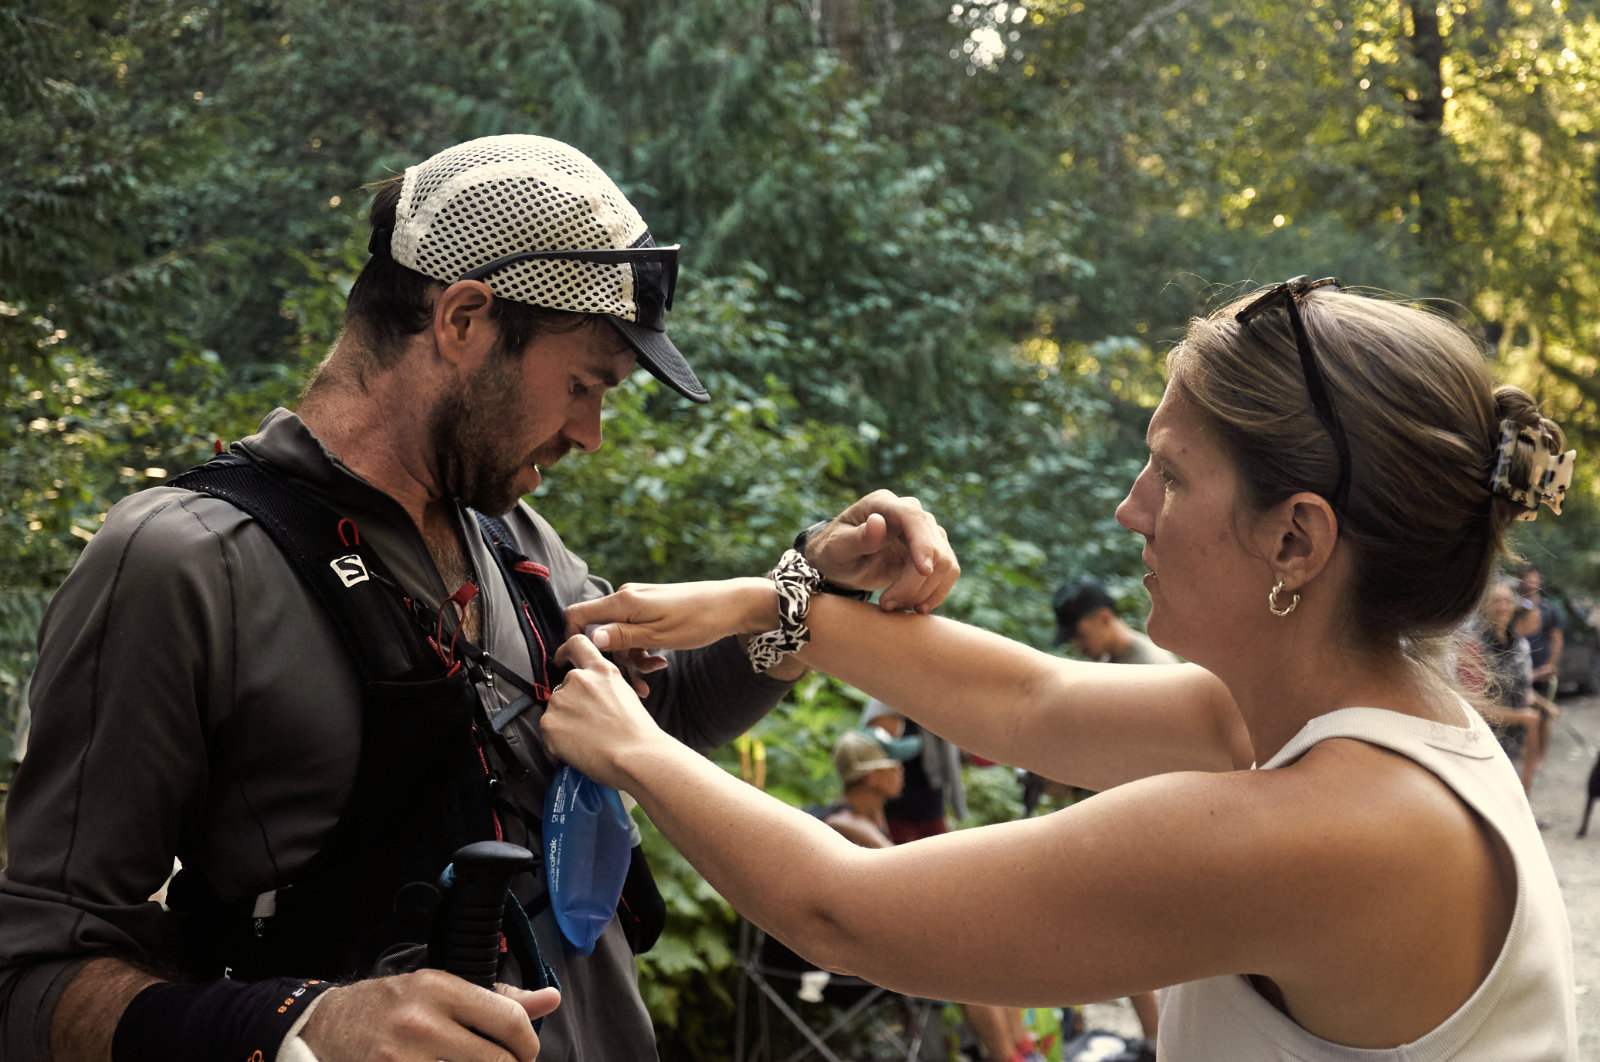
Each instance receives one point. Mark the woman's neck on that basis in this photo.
(1277, 703)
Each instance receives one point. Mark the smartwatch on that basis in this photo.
(827, 587)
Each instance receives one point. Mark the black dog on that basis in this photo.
(1594, 794)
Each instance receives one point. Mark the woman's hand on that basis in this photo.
(891, 543)
(675, 615)
(594, 714)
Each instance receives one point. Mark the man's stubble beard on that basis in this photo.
(467, 431)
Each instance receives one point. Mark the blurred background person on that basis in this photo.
(1498, 664)
(933, 794)
(1086, 618)
(871, 765)
(1547, 639)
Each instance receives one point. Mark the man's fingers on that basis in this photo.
(922, 590)
(497, 1016)
(646, 662)
(926, 542)
(910, 591)
(641, 662)
(544, 1001)
(535, 1003)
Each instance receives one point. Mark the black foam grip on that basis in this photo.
(466, 927)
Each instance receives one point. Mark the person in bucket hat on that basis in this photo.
(871, 762)
(206, 690)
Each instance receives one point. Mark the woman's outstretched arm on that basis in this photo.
(1092, 725)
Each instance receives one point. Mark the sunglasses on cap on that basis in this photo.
(655, 273)
(1287, 296)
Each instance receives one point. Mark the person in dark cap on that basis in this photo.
(311, 669)
(1086, 616)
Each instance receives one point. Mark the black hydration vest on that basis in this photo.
(423, 785)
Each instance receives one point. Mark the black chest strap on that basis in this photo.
(422, 786)
(346, 576)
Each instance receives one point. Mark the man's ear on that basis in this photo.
(463, 333)
(1300, 534)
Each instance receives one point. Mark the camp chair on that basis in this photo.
(896, 1023)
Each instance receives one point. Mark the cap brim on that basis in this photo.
(898, 748)
(657, 354)
(904, 748)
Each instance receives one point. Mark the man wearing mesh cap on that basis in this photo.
(202, 692)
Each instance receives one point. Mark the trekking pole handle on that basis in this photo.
(466, 929)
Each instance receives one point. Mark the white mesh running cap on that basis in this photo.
(540, 223)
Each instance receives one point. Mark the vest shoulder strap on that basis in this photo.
(539, 611)
(344, 575)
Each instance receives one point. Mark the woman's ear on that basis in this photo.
(1301, 532)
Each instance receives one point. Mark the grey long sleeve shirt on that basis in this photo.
(192, 700)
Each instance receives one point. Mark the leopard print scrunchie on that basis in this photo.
(796, 581)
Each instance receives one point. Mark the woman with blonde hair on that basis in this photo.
(1306, 832)
(1498, 664)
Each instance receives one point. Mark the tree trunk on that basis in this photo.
(1426, 106)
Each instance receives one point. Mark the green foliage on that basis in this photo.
(931, 247)
(994, 794)
(1566, 550)
(705, 491)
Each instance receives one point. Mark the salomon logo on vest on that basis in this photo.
(350, 569)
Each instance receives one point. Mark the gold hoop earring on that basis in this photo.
(1272, 601)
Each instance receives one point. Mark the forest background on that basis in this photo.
(936, 247)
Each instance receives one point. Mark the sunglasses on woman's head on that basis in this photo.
(1287, 296)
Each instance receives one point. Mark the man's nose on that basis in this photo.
(583, 428)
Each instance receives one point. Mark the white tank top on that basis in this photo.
(1525, 1009)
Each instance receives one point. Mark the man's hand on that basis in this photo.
(891, 543)
(426, 1016)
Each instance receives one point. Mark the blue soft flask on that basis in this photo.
(587, 846)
